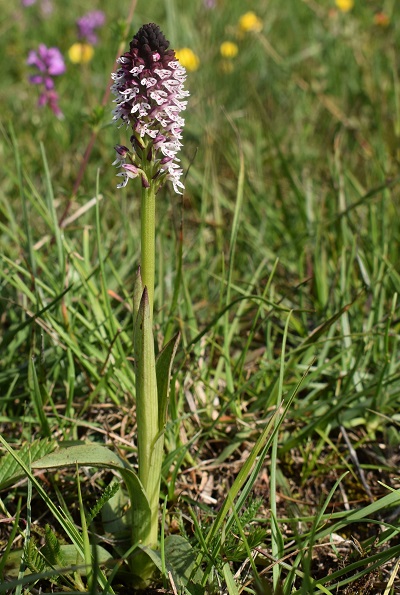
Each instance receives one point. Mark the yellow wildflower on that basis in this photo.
(250, 22)
(80, 53)
(228, 49)
(345, 5)
(188, 58)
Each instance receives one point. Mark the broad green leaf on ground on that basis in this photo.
(70, 557)
(99, 456)
(11, 471)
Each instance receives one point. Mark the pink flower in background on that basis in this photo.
(50, 63)
(88, 23)
(50, 98)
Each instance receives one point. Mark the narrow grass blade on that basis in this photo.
(51, 208)
(230, 581)
(37, 399)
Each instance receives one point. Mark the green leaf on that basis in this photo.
(114, 515)
(32, 558)
(146, 389)
(181, 556)
(93, 455)
(150, 442)
(11, 471)
(230, 581)
(163, 371)
(38, 400)
(52, 548)
(180, 560)
(108, 493)
(64, 519)
(68, 553)
(137, 295)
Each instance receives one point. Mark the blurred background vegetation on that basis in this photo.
(291, 141)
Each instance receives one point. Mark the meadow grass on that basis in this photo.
(279, 267)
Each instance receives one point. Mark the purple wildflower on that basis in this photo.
(209, 4)
(50, 63)
(149, 88)
(88, 23)
(50, 98)
(28, 2)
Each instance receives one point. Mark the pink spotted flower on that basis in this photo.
(149, 91)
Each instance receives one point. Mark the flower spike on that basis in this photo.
(150, 94)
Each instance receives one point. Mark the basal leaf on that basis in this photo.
(11, 471)
(181, 556)
(94, 455)
(68, 553)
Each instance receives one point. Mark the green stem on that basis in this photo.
(148, 223)
(150, 439)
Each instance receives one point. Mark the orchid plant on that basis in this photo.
(149, 96)
(149, 91)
